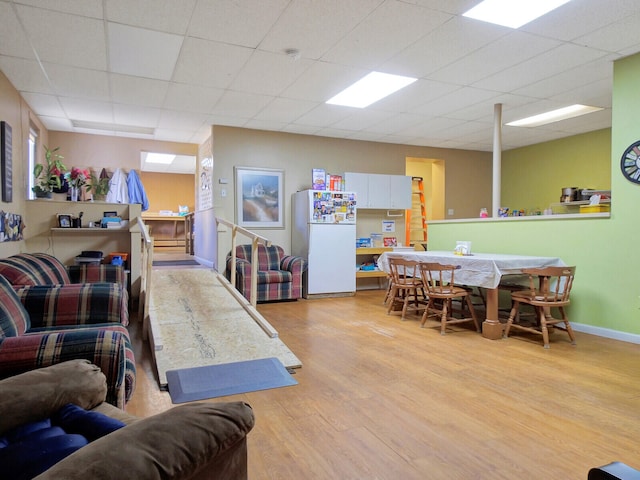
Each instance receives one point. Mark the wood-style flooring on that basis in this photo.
(382, 398)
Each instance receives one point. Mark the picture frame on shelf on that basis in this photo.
(259, 197)
(64, 220)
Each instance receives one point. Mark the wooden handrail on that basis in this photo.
(145, 284)
(255, 241)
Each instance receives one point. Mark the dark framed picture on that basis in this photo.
(109, 214)
(6, 164)
(64, 221)
(259, 197)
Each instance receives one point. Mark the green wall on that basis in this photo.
(534, 176)
(606, 295)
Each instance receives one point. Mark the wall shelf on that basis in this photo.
(91, 230)
(366, 254)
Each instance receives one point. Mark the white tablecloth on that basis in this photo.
(478, 269)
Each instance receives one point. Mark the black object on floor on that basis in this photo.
(169, 263)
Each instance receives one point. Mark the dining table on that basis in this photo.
(485, 270)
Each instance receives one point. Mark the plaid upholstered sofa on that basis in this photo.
(279, 275)
(45, 319)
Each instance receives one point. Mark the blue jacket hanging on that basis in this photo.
(136, 190)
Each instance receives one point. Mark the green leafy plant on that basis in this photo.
(48, 175)
(99, 186)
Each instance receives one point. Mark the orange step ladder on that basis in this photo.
(419, 223)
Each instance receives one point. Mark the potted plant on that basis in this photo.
(47, 175)
(99, 185)
(77, 178)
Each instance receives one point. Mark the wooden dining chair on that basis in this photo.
(549, 288)
(405, 286)
(439, 285)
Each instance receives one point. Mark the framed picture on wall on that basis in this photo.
(259, 197)
(6, 163)
(64, 220)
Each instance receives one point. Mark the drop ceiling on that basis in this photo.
(169, 69)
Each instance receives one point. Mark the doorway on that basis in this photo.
(432, 173)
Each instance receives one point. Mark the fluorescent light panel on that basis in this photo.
(112, 127)
(369, 89)
(161, 158)
(512, 13)
(555, 116)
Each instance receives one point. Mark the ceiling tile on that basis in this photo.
(324, 116)
(609, 38)
(78, 82)
(243, 22)
(170, 16)
(44, 105)
(81, 44)
(238, 104)
(181, 120)
(138, 91)
(142, 53)
(25, 75)
(210, 64)
(85, 8)
(322, 81)
(192, 98)
(285, 110)
(136, 116)
(88, 110)
(494, 57)
(391, 28)
(303, 25)
(13, 40)
(543, 66)
(444, 45)
(56, 124)
(268, 73)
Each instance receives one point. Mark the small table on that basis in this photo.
(478, 270)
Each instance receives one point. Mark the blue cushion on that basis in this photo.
(37, 451)
(30, 449)
(91, 425)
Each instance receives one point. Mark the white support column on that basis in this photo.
(497, 157)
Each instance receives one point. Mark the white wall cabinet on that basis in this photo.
(380, 191)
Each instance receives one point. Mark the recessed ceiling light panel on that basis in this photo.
(555, 116)
(512, 13)
(161, 158)
(370, 89)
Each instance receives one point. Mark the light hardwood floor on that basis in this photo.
(381, 398)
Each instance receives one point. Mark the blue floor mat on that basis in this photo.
(199, 383)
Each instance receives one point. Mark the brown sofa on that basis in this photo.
(192, 441)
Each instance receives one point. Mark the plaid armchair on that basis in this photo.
(279, 275)
(42, 326)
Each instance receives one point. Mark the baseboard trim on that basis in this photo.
(606, 332)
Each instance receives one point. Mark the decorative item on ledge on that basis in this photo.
(47, 176)
(76, 178)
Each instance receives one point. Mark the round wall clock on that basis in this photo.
(630, 163)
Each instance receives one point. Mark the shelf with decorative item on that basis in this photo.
(365, 260)
(579, 206)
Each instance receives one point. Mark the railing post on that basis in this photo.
(254, 272)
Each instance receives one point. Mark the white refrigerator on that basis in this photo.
(324, 233)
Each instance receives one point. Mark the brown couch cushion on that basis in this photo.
(36, 394)
(177, 443)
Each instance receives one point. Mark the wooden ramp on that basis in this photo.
(197, 319)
